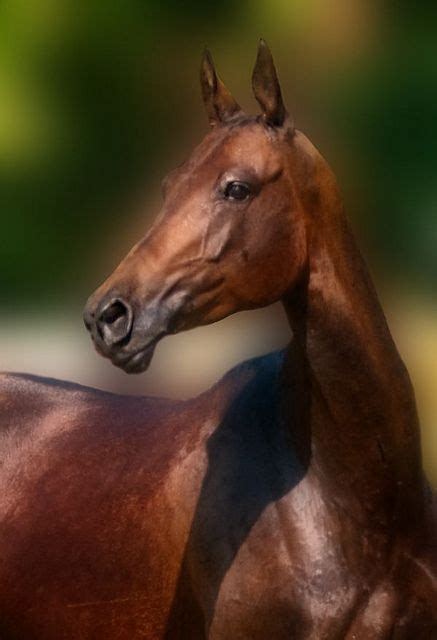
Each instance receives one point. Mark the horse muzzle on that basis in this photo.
(127, 338)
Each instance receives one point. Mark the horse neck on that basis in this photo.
(351, 402)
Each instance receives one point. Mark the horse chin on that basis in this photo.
(138, 362)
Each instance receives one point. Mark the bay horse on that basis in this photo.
(288, 501)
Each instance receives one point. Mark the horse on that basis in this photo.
(289, 500)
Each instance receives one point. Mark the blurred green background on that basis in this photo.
(97, 99)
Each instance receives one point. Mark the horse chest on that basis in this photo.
(263, 545)
(284, 576)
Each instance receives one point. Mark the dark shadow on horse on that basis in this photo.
(250, 465)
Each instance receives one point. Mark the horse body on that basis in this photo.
(174, 494)
(138, 517)
(287, 501)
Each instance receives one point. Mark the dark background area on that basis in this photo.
(93, 96)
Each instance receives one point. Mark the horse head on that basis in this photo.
(232, 232)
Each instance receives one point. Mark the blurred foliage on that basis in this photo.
(388, 113)
(93, 95)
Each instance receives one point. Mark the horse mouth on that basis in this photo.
(136, 362)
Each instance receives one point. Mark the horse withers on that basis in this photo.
(288, 501)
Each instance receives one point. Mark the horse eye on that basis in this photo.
(237, 190)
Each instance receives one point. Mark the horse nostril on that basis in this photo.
(115, 321)
(113, 312)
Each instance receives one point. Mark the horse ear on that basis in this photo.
(266, 87)
(219, 103)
